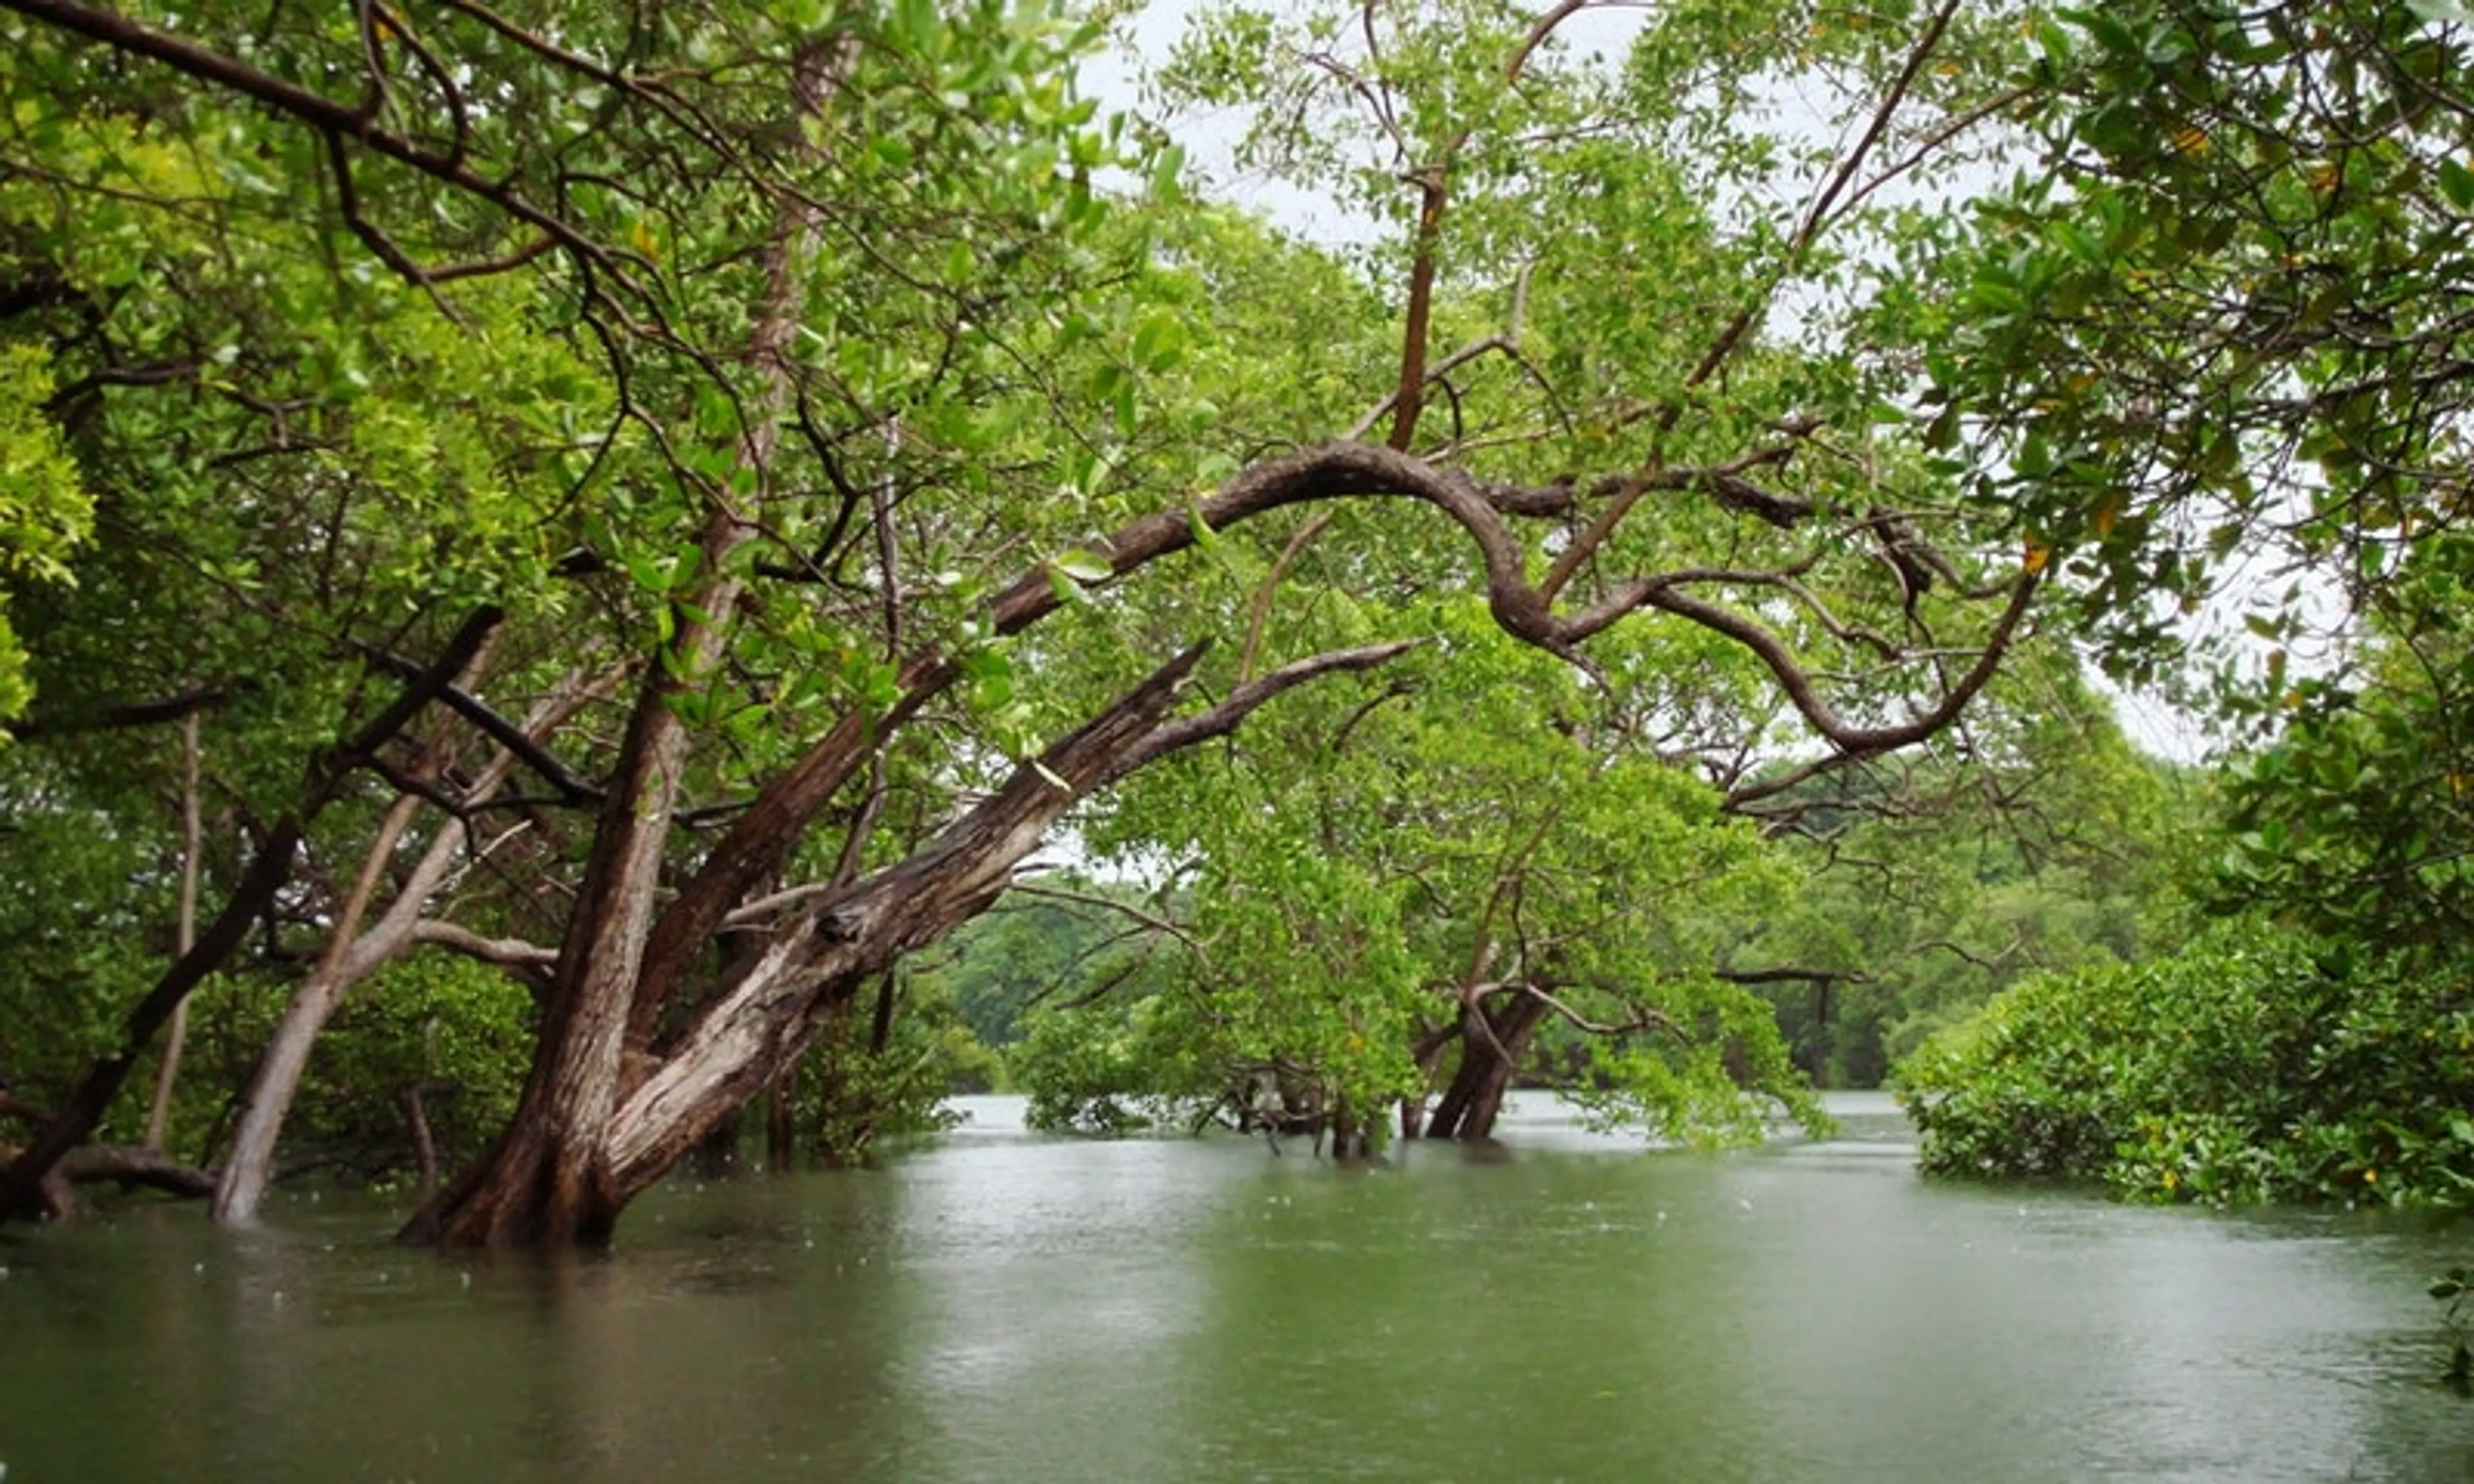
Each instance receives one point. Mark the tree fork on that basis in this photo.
(1492, 1042)
(553, 1179)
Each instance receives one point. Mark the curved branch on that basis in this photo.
(1243, 702)
(1341, 470)
(1798, 684)
(1330, 471)
(1152, 920)
(505, 952)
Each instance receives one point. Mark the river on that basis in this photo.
(995, 1305)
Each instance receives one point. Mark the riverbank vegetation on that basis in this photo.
(562, 570)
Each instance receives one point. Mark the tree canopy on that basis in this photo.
(677, 506)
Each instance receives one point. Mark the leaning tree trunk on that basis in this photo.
(1494, 1039)
(168, 1072)
(352, 956)
(595, 1131)
(592, 1132)
(24, 1183)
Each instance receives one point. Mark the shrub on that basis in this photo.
(2254, 1065)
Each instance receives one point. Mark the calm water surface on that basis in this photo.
(1000, 1306)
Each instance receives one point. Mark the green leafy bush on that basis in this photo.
(854, 1088)
(2254, 1065)
(430, 1030)
(1087, 1074)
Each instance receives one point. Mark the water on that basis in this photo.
(997, 1305)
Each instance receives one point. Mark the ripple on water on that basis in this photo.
(1000, 1304)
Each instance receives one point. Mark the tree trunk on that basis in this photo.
(1350, 1138)
(1490, 1054)
(424, 1146)
(22, 1187)
(592, 1133)
(1428, 1056)
(348, 960)
(168, 1075)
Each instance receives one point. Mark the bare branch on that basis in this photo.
(133, 714)
(500, 730)
(1793, 973)
(1242, 703)
(506, 952)
(1151, 919)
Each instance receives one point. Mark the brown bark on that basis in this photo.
(1494, 1040)
(582, 1147)
(549, 1180)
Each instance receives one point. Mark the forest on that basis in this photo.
(585, 589)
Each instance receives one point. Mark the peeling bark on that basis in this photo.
(581, 1146)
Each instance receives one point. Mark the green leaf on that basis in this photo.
(2457, 182)
(1160, 341)
(919, 25)
(1206, 538)
(1083, 566)
(1166, 168)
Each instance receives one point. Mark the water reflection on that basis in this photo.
(1004, 1305)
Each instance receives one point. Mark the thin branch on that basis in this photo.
(133, 713)
(1816, 215)
(1151, 919)
(1794, 974)
(499, 729)
(1242, 703)
(320, 112)
(1815, 219)
(506, 952)
(347, 198)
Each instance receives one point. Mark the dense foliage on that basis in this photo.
(645, 521)
(2217, 335)
(677, 507)
(2253, 1065)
